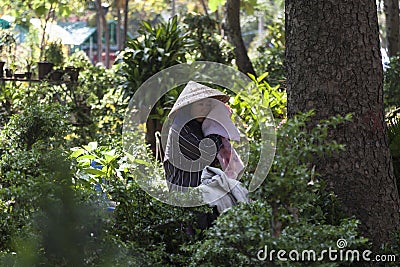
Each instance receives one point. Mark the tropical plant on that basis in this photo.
(53, 53)
(155, 49)
(261, 98)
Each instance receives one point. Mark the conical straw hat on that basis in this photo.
(194, 92)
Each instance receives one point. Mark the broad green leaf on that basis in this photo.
(213, 4)
(95, 172)
(77, 153)
(86, 157)
(91, 146)
(110, 156)
(140, 161)
(40, 11)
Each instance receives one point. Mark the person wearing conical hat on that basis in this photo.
(188, 149)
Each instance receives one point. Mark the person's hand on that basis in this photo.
(229, 108)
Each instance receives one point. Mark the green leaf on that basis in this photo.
(262, 77)
(142, 162)
(251, 76)
(77, 153)
(147, 25)
(213, 4)
(110, 156)
(86, 157)
(91, 146)
(40, 11)
(95, 172)
(158, 33)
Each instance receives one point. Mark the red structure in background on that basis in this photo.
(103, 58)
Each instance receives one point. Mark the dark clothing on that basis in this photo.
(189, 140)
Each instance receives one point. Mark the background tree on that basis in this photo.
(46, 11)
(391, 8)
(102, 27)
(334, 66)
(234, 33)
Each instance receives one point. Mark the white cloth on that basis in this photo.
(220, 191)
(218, 121)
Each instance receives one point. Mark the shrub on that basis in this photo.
(29, 142)
(204, 41)
(290, 211)
(155, 228)
(393, 121)
(156, 48)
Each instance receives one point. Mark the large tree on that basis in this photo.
(334, 67)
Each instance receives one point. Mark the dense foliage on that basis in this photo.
(70, 195)
(392, 104)
(204, 40)
(392, 83)
(156, 48)
(271, 53)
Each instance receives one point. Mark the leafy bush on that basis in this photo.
(393, 121)
(391, 86)
(155, 228)
(96, 103)
(28, 142)
(53, 53)
(259, 100)
(290, 211)
(270, 55)
(156, 48)
(204, 41)
(46, 217)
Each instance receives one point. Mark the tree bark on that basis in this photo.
(120, 5)
(104, 26)
(118, 30)
(392, 26)
(125, 35)
(107, 37)
(334, 66)
(203, 4)
(234, 34)
(99, 32)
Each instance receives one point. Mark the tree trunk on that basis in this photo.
(234, 34)
(118, 30)
(107, 37)
(104, 26)
(99, 32)
(203, 4)
(126, 9)
(392, 26)
(334, 67)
